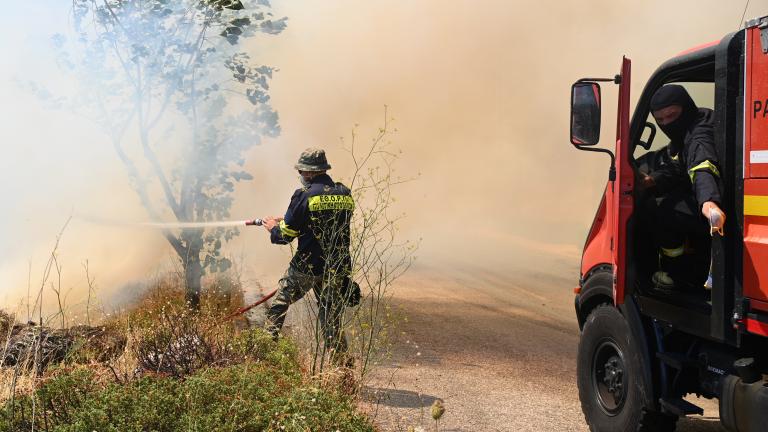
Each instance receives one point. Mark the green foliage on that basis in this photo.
(172, 81)
(264, 393)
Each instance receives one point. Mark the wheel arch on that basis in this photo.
(594, 291)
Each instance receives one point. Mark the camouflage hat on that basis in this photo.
(312, 159)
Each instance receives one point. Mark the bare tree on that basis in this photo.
(180, 99)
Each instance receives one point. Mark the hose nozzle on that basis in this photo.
(254, 222)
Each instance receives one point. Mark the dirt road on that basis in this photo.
(498, 348)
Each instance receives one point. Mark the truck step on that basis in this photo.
(680, 407)
(675, 360)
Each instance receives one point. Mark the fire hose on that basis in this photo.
(269, 295)
(246, 308)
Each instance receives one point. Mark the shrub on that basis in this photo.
(171, 338)
(100, 344)
(199, 373)
(59, 397)
(252, 396)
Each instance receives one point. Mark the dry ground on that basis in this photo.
(498, 348)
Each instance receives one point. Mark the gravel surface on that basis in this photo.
(498, 349)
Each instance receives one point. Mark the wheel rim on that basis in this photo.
(608, 377)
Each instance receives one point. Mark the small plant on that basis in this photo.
(437, 410)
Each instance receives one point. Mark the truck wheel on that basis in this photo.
(612, 388)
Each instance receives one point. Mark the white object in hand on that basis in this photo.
(715, 222)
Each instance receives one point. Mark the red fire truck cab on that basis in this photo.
(643, 350)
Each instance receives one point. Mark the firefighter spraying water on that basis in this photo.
(319, 215)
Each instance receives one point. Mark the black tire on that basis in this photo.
(612, 387)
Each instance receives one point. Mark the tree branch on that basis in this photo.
(150, 155)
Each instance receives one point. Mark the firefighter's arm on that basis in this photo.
(704, 172)
(704, 169)
(284, 230)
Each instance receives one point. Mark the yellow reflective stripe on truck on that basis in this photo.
(331, 202)
(755, 205)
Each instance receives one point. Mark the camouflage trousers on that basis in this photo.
(330, 304)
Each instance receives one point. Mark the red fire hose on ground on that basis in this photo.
(245, 309)
(269, 295)
(191, 225)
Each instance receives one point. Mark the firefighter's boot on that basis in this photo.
(672, 269)
(663, 281)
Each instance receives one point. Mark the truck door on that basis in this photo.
(622, 200)
(756, 171)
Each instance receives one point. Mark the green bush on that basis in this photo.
(266, 392)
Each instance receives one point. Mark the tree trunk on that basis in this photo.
(193, 272)
(193, 269)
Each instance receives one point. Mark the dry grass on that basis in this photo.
(179, 363)
(150, 336)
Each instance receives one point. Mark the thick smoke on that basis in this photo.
(479, 92)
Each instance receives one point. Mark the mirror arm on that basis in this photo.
(616, 79)
(612, 169)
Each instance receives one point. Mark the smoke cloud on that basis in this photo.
(479, 92)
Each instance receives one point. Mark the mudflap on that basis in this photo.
(631, 312)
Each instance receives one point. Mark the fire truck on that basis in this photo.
(645, 353)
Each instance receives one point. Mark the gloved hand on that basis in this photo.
(271, 222)
(647, 182)
(715, 216)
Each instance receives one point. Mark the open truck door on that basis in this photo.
(617, 205)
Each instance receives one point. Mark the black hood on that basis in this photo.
(676, 95)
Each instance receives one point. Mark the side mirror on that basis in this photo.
(585, 113)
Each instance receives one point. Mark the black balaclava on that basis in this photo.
(675, 95)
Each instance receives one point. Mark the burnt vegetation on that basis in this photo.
(159, 366)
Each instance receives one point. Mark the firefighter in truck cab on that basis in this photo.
(688, 190)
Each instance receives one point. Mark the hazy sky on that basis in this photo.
(479, 91)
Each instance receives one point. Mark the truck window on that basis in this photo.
(704, 96)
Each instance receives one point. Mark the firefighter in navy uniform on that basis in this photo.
(319, 216)
(688, 187)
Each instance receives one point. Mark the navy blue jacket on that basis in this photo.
(693, 163)
(319, 216)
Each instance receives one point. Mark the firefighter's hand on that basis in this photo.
(648, 182)
(271, 222)
(715, 216)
